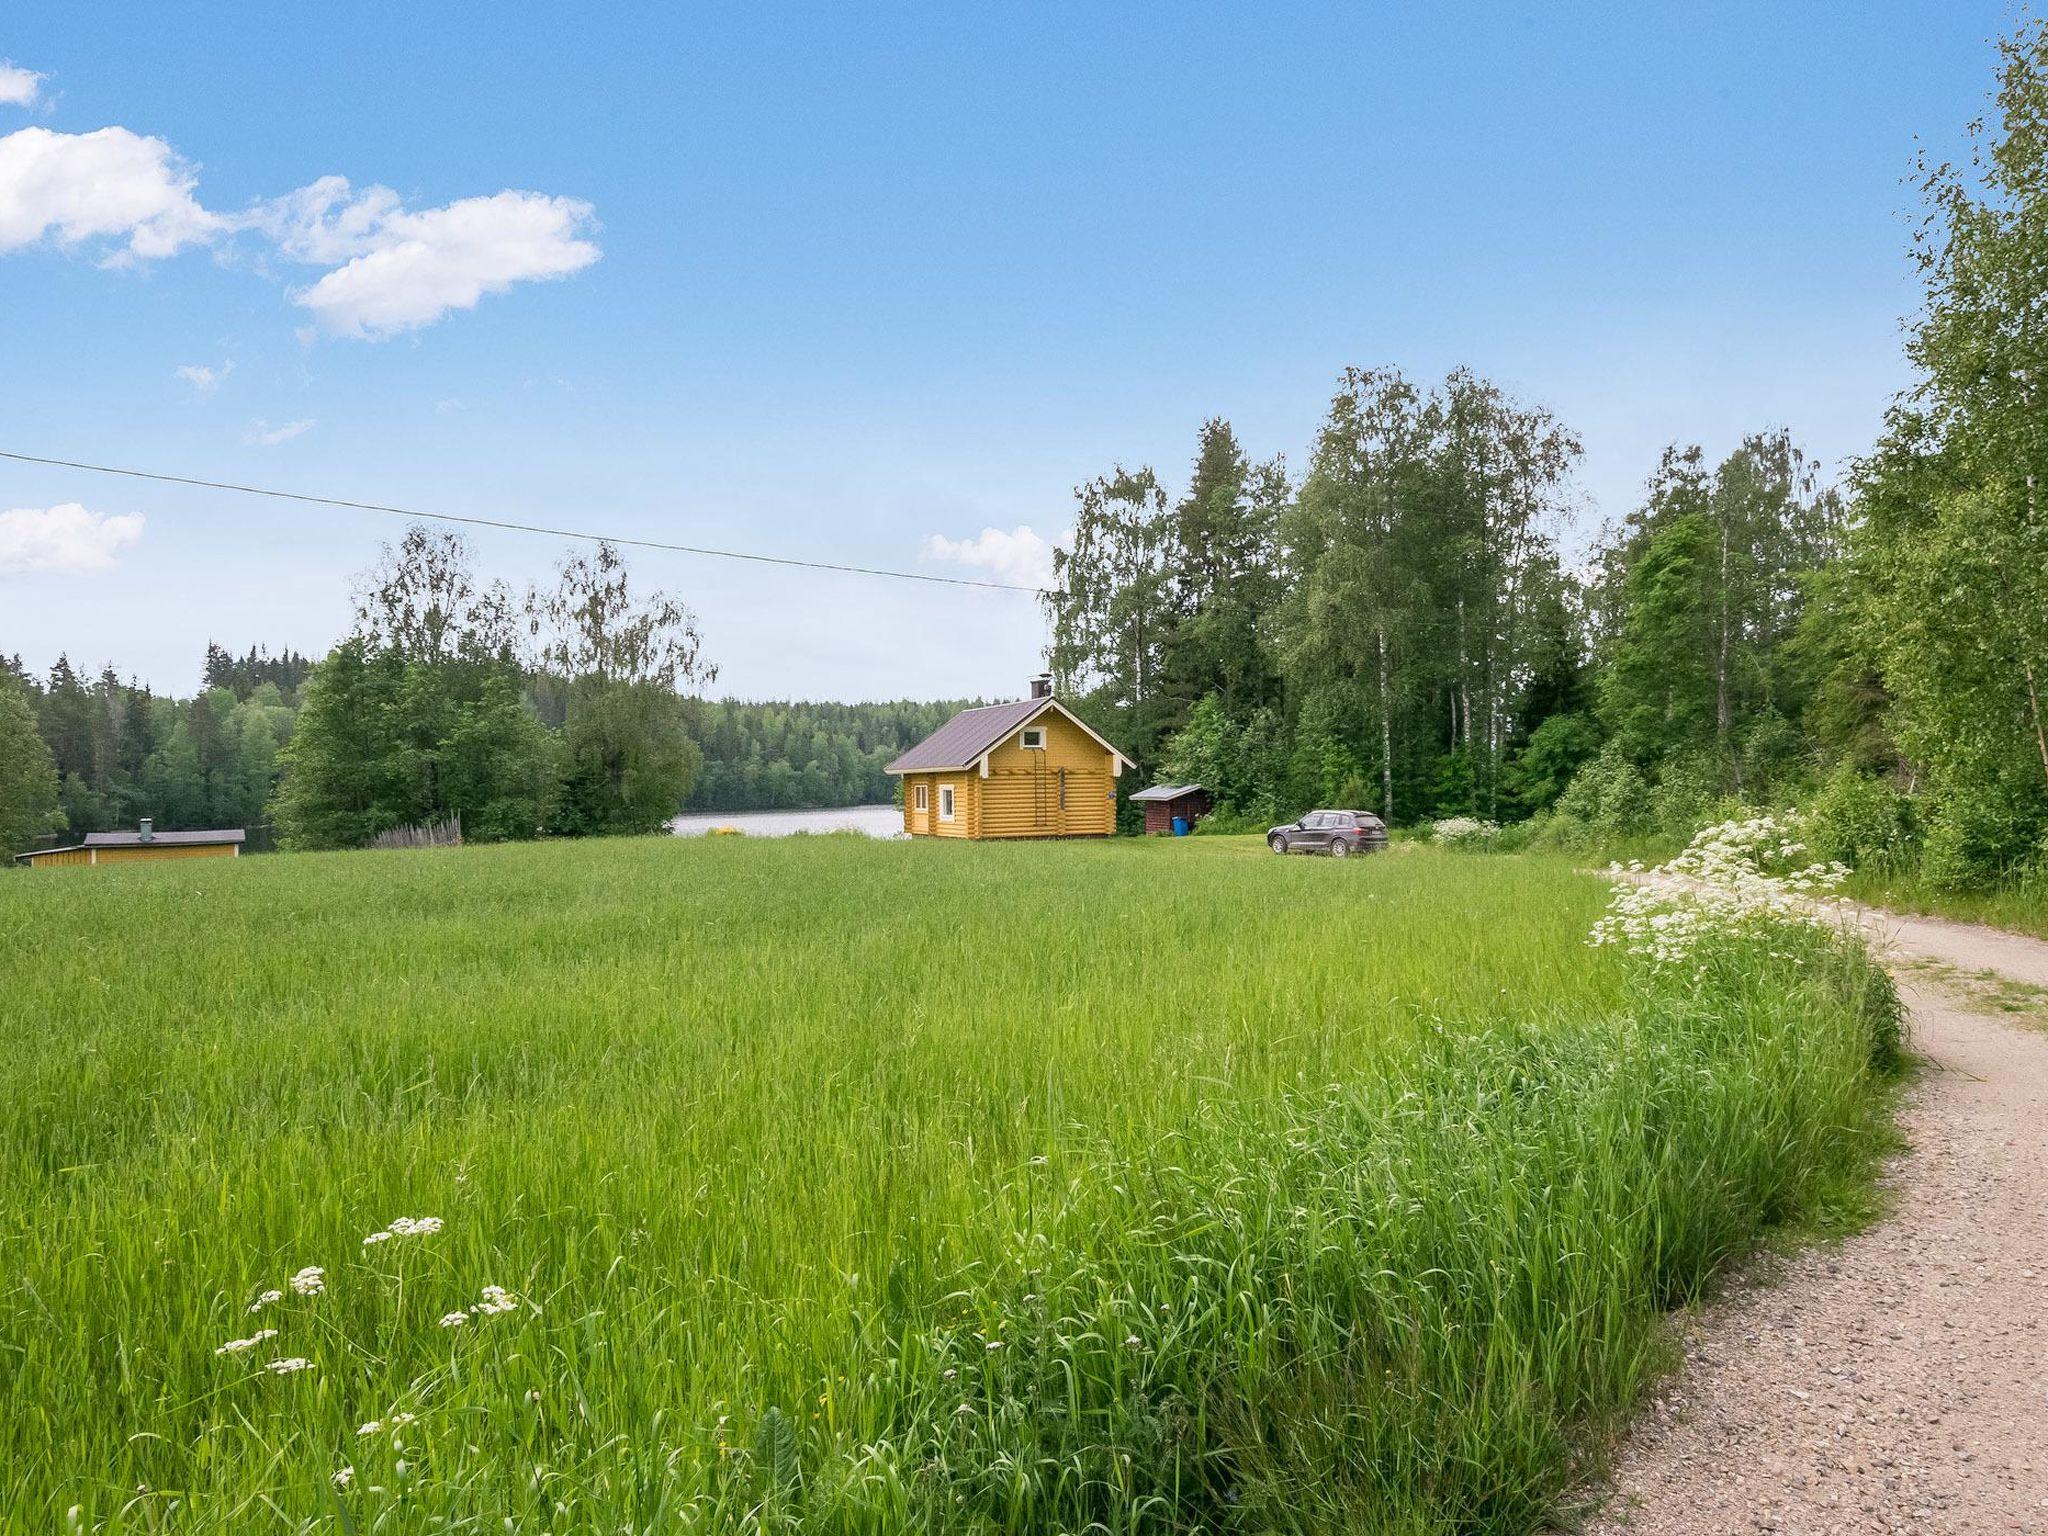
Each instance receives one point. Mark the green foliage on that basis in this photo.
(1608, 797)
(787, 755)
(1865, 822)
(494, 763)
(1953, 546)
(1976, 840)
(344, 781)
(28, 774)
(1366, 1238)
(625, 762)
(1548, 760)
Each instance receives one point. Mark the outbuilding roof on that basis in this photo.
(136, 839)
(1167, 791)
(962, 740)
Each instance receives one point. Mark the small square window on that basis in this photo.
(924, 797)
(1032, 738)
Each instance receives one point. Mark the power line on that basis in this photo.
(492, 522)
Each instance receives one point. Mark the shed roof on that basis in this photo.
(965, 737)
(1167, 791)
(136, 839)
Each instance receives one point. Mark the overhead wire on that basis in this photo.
(518, 527)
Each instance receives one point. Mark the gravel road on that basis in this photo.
(1898, 1382)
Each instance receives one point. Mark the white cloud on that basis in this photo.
(263, 434)
(404, 269)
(18, 87)
(205, 379)
(110, 185)
(1020, 556)
(394, 269)
(65, 539)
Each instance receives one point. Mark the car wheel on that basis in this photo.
(1340, 849)
(1277, 844)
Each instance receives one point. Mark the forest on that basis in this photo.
(1395, 625)
(573, 710)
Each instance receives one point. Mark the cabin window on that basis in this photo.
(1032, 738)
(945, 802)
(923, 801)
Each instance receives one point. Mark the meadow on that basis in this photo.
(833, 1185)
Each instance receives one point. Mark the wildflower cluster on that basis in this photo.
(495, 1301)
(1464, 831)
(405, 1226)
(1737, 879)
(243, 1346)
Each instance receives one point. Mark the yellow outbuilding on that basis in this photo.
(143, 844)
(1028, 769)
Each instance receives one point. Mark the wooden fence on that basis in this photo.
(427, 834)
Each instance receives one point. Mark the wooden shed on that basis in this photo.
(1027, 769)
(1166, 803)
(144, 844)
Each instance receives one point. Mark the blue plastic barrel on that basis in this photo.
(1180, 826)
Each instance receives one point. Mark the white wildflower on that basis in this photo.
(399, 1421)
(497, 1299)
(415, 1226)
(375, 1426)
(287, 1365)
(344, 1477)
(377, 1237)
(239, 1346)
(310, 1281)
(265, 1300)
(1464, 831)
(454, 1319)
(993, 1345)
(1736, 878)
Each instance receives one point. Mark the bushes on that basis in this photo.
(1464, 832)
(1867, 823)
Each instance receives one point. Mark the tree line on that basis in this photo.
(1394, 628)
(563, 712)
(788, 755)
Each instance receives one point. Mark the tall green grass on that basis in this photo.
(869, 1187)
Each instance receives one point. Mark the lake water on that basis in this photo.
(875, 820)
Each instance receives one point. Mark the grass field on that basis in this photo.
(848, 1186)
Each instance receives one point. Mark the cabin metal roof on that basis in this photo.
(961, 741)
(137, 840)
(1167, 791)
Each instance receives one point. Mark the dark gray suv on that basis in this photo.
(1337, 833)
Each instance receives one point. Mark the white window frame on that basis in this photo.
(1024, 738)
(946, 802)
(921, 797)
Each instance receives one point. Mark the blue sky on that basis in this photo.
(833, 281)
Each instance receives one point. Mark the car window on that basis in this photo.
(1322, 819)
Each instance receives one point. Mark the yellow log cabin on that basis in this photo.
(143, 844)
(1028, 769)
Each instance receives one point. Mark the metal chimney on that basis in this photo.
(148, 828)
(1041, 686)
